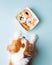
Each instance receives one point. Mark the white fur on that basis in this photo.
(23, 41)
(18, 58)
(33, 38)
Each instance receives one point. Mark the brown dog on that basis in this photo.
(21, 51)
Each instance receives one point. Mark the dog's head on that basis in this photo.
(19, 43)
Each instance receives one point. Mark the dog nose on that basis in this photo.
(23, 36)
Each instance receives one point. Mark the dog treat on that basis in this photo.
(21, 50)
(27, 19)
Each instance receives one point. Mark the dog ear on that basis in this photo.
(29, 50)
(10, 48)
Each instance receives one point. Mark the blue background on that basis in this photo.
(9, 24)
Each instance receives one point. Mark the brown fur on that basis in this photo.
(10, 63)
(29, 50)
(15, 46)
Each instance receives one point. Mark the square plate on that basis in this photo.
(27, 19)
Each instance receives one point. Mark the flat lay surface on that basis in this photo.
(9, 24)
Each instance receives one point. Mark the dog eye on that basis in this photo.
(23, 45)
